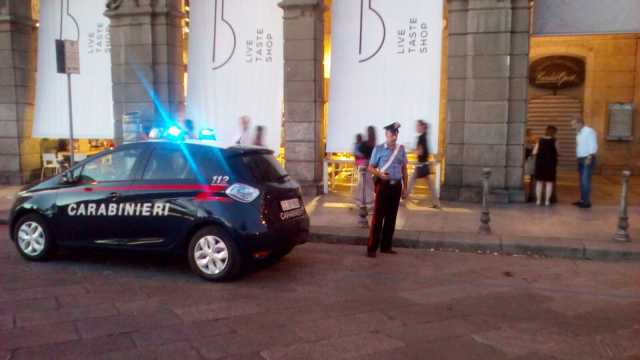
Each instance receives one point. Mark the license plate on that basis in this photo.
(290, 204)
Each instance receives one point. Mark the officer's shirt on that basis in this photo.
(381, 155)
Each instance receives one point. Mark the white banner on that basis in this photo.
(81, 20)
(560, 17)
(236, 67)
(385, 67)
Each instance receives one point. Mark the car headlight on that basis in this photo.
(243, 193)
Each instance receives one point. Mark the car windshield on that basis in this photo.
(259, 167)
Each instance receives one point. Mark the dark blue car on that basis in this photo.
(221, 206)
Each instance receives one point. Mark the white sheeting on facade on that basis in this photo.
(91, 89)
(559, 17)
(236, 67)
(384, 68)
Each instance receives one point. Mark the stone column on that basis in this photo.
(19, 153)
(147, 59)
(487, 97)
(303, 52)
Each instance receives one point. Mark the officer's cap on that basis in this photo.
(393, 127)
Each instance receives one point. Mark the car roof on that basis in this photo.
(231, 150)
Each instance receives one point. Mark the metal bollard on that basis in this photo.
(622, 233)
(363, 212)
(485, 217)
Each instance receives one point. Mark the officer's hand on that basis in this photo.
(405, 193)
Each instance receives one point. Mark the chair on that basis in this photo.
(49, 161)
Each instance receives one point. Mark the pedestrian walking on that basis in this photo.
(357, 153)
(546, 163)
(258, 139)
(586, 150)
(422, 169)
(363, 194)
(530, 163)
(189, 129)
(244, 138)
(389, 166)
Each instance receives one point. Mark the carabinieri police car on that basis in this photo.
(221, 206)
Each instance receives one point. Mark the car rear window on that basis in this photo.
(259, 167)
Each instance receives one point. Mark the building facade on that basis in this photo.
(488, 101)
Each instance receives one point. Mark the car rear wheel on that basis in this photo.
(33, 239)
(213, 255)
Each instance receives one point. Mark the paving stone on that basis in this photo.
(450, 348)
(183, 351)
(345, 326)
(36, 335)
(425, 332)
(179, 332)
(77, 349)
(22, 306)
(42, 292)
(64, 315)
(94, 327)
(346, 347)
(6, 321)
(247, 343)
(217, 311)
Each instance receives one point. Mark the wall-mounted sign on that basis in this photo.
(557, 72)
(620, 122)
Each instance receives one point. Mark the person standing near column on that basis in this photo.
(422, 169)
(389, 165)
(244, 138)
(586, 149)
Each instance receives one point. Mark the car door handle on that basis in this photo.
(114, 195)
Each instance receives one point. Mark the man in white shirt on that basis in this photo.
(586, 149)
(245, 127)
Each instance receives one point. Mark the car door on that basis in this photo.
(90, 207)
(167, 187)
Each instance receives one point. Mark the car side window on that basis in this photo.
(169, 163)
(115, 166)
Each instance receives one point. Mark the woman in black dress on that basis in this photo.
(546, 153)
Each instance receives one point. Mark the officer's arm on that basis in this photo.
(373, 163)
(405, 176)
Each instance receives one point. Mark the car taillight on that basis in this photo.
(243, 193)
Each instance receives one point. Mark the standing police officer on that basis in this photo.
(389, 167)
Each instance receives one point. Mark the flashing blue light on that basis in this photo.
(174, 131)
(207, 134)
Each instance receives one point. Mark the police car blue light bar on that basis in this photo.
(174, 131)
(207, 134)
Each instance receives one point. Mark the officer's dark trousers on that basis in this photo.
(384, 215)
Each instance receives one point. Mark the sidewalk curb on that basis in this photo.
(472, 242)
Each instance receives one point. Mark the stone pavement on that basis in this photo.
(561, 230)
(321, 302)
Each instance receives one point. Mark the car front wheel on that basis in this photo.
(213, 255)
(33, 239)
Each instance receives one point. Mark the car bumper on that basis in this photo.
(280, 237)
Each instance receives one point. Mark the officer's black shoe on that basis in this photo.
(584, 206)
(371, 254)
(389, 251)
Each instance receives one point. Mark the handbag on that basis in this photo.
(422, 170)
